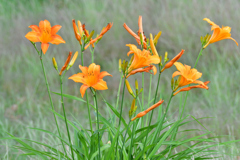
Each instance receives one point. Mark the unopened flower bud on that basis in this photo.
(54, 63)
(129, 88)
(120, 65)
(72, 60)
(166, 57)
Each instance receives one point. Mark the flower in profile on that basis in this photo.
(218, 33)
(175, 59)
(140, 33)
(191, 87)
(44, 34)
(187, 76)
(142, 58)
(143, 113)
(90, 77)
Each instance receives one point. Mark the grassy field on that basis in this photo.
(23, 96)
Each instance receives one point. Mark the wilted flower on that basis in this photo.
(44, 34)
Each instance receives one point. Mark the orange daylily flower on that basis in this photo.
(188, 75)
(90, 77)
(141, 58)
(92, 41)
(191, 87)
(175, 59)
(218, 33)
(44, 34)
(66, 63)
(143, 113)
(137, 37)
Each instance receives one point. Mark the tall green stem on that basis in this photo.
(65, 117)
(149, 95)
(185, 101)
(96, 106)
(125, 138)
(155, 97)
(120, 118)
(50, 98)
(89, 112)
(118, 95)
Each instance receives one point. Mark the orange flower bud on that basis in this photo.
(66, 63)
(73, 60)
(54, 63)
(77, 35)
(141, 114)
(154, 51)
(169, 64)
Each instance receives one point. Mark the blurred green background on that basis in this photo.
(23, 97)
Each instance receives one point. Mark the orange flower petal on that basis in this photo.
(83, 69)
(45, 25)
(35, 28)
(33, 36)
(56, 39)
(79, 77)
(103, 74)
(44, 47)
(176, 73)
(101, 85)
(83, 89)
(55, 29)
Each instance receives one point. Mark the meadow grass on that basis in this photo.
(23, 97)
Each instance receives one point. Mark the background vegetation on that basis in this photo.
(23, 96)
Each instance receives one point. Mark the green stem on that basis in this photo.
(155, 97)
(130, 147)
(89, 112)
(50, 98)
(125, 138)
(120, 118)
(142, 92)
(149, 95)
(92, 52)
(96, 106)
(118, 95)
(160, 124)
(65, 117)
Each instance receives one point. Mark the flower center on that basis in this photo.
(91, 79)
(46, 36)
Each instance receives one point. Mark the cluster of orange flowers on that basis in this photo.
(141, 61)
